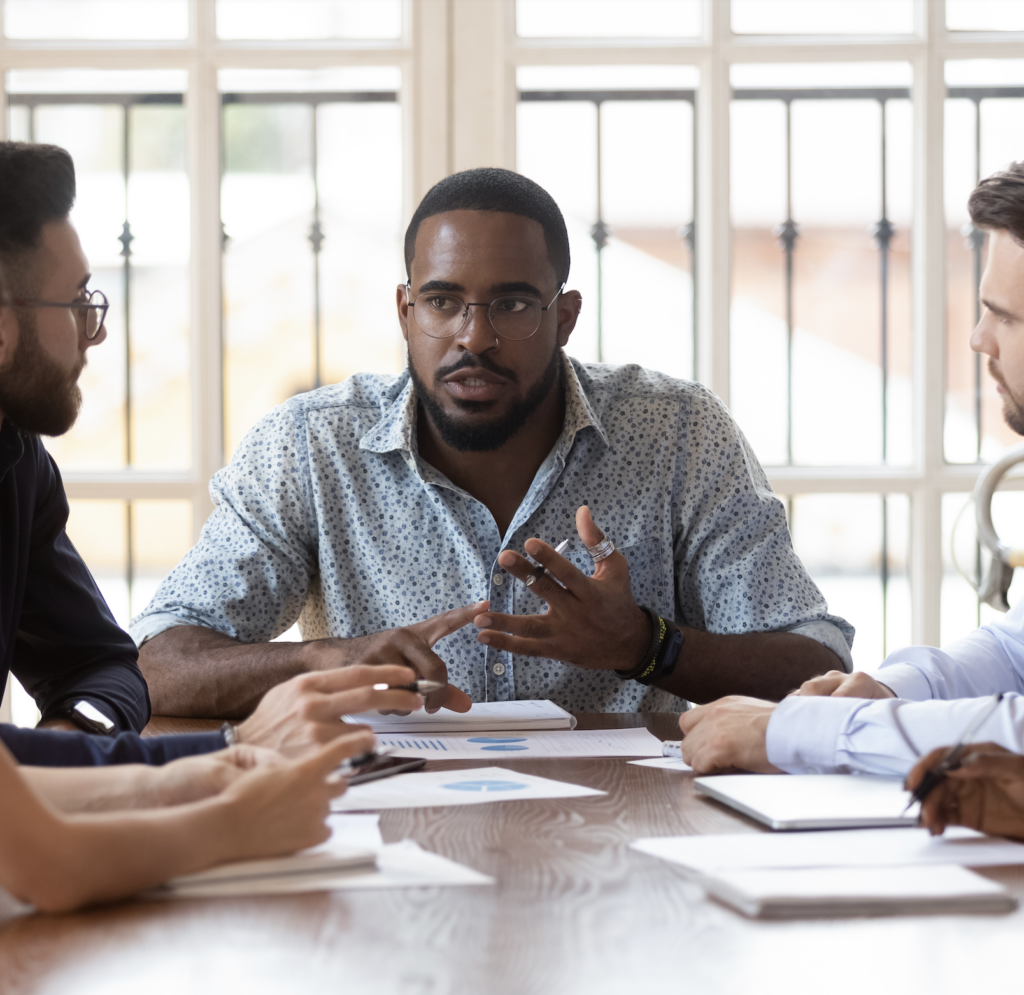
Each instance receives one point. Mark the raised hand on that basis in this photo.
(591, 622)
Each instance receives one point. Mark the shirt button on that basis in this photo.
(498, 669)
(498, 579)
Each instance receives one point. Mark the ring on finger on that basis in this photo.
(602, 550)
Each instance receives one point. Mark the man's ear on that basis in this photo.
(402, 300)
(569, 305)
(8, 333)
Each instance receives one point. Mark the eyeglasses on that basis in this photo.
(90, 312)
(515, 317)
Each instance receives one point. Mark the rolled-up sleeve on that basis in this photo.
(736, 568)
(250, 571)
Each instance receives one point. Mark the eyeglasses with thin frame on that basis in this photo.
(512, 316)
(91, 311)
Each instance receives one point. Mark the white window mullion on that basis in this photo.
(928, 270)
(203, 109)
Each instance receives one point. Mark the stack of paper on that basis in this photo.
(487, 716)
(832, 891)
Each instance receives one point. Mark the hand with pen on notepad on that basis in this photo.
(986, 792)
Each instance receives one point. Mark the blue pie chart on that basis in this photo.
(485, 786)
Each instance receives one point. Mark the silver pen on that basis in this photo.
(539, 571)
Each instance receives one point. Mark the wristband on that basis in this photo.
(648, 661)
(660, 659)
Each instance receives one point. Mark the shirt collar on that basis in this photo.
(396, 430)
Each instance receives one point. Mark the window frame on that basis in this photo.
(458, 60)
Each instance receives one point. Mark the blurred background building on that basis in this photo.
(765, 195)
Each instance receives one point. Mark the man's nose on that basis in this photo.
(982, 338)
(477, 335)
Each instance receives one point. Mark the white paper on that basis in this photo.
(665, 763)
(485, 716)
(834, 848)
(455, 787)
(522, 746)
(399, 865)
(857, 890)
(349, 830)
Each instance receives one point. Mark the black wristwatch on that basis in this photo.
(89, 719)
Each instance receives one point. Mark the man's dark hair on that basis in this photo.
(997, 202)
(492, 189)
(37, 186)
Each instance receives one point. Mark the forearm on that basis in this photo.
(95, 789)
(197, 672)
(97, 858)
(766, 665)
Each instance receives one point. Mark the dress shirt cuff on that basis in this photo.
(146, 627)
(829, 636)
(803, 733)
(904, 681)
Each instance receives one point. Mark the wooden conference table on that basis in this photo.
(572, 910)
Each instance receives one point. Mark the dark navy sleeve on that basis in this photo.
(68, 646)
(53, 748)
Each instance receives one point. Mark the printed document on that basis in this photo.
(525, 745)
(665, 763)
(485, 716)
(455, 787)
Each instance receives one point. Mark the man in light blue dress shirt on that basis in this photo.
(386, 513)
(922, 698)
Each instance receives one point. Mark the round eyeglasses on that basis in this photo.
(515, 316)
(90, 311)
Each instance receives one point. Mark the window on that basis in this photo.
(247, 166)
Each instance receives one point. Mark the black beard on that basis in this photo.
(488, 436)
(1013, 413)
(35, 393)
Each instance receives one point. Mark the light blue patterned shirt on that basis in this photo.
(327, 514)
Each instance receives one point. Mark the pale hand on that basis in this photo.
(304, 713)
(728, 734)
(280, 808)
(409, 646)
(842, 685)
(986, 792)
(191, 779)
(591, 622)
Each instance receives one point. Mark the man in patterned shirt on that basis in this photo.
(365, 508)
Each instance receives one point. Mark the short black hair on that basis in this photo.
(37, 186)
(493, 189)
(997, 202)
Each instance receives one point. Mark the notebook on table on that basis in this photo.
(843, 891)
(484, 716)
(813, 801)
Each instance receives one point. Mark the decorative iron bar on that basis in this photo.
(316, 234)
(600, 231)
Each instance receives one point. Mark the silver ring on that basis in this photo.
(602, 550)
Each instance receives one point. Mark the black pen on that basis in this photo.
(931, 779)
(417, 687)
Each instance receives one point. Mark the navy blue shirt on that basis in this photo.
(57, 635)
(53, 748)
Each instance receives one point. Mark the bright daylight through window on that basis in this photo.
(766, 221)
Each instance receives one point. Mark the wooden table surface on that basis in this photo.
(572, 910)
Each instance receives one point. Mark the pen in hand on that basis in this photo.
(932, 778)
(539, 571)
(417, 687)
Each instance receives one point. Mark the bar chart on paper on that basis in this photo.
(558, 743)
